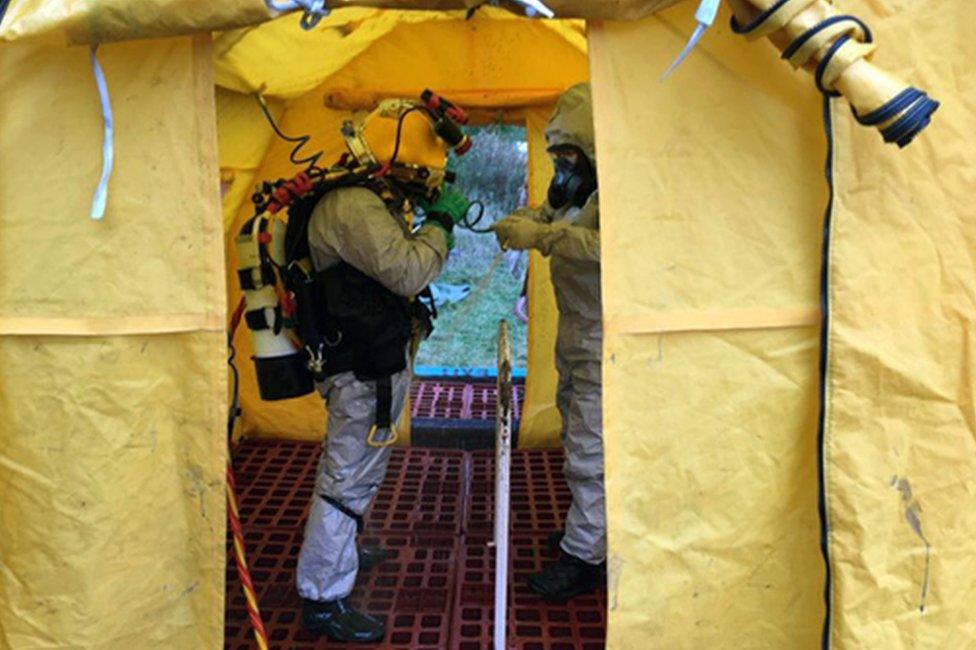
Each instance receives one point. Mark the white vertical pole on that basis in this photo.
(503, 457)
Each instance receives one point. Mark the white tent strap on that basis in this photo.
(100, 199)
(312, 10)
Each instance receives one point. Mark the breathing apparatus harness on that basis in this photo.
(308, 325)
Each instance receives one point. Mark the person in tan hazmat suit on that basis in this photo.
(566, 228)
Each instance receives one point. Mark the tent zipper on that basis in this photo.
(822, 458)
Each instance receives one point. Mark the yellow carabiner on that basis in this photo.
(371, 438)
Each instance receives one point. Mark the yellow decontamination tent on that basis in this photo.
(789, 410)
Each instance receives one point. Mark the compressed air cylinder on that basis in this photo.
(280, 362)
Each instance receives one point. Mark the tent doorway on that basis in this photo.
(481, 285)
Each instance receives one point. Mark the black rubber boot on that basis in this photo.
(554, 539)
(566, 578)
(340, 622)
(372, 556)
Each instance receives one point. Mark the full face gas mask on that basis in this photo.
(574, 178)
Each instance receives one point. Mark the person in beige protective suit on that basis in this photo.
(566, 228)
(370, 265)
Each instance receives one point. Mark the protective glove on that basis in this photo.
(449, 208)
(516, 232)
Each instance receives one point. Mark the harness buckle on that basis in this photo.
(386, 442)
(316, 360)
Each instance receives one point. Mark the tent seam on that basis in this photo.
(823, 428)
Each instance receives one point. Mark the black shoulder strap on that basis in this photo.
(300, 212)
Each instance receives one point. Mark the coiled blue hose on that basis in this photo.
(912, 107)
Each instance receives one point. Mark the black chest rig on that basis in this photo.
(337, 319)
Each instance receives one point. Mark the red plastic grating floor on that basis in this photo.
(539, 503)
(434, 510)
(579, 624)
(422, 491)
(459, 400)
(411, 592)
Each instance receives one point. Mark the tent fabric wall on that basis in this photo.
(519, 73)
(900, 429)
(711, 380)
(288, 62)
(240, 157)
(70, 22)
(74, 22)
(618, 9)
(712, 197)
(540, 423)
(113, 387)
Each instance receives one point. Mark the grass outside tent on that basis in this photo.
(495, 173)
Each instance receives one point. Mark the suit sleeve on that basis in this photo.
(358, 226)
(576, 237)
(571, 241)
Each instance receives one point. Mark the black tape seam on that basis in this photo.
(824, 358)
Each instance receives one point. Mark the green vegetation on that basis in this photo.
(493, 172)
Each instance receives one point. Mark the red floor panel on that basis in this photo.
(533, 625)
(438, 590)
(422, 491)
(459, 400)
(539, 496)
(412, 592)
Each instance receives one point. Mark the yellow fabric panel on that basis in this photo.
(518, 72)
(156, 255)
(79, 21)
(237, 186)
(711, 195)
(712, 490)
(749, 200)
(289, 62)
(112, 447)
(901, 431)
(243, 136)
(618, 9)
(540, 423)
(243, 133)
(86, 21)
(112, 458)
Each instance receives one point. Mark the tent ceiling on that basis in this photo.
(280, 59)
(74, 22)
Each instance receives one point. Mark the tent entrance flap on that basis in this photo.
(113, 388)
